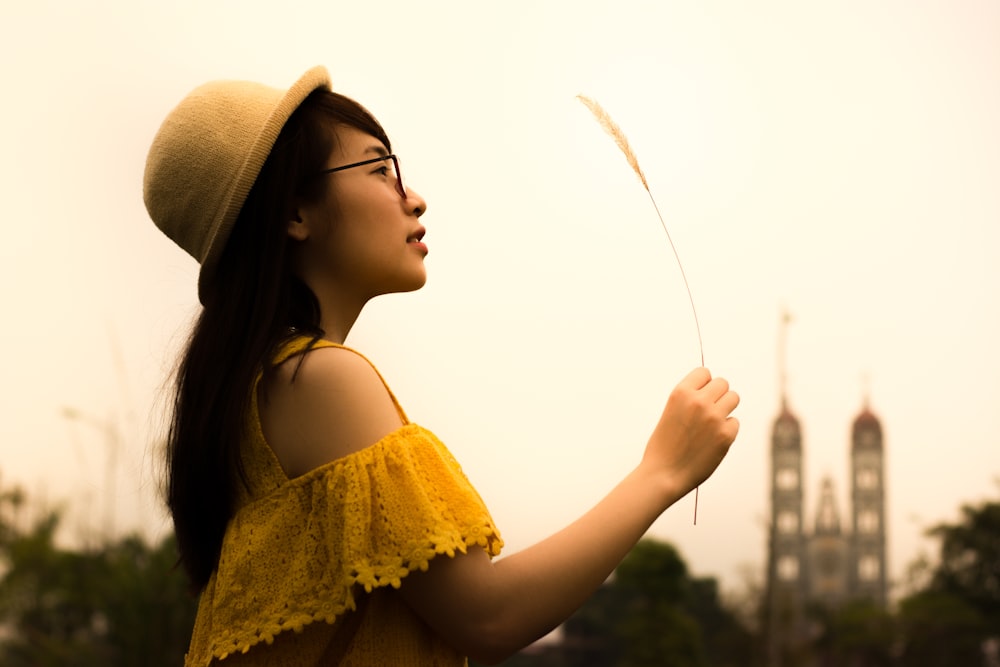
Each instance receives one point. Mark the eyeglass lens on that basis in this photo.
(399, 176)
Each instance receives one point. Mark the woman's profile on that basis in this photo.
(317, 523)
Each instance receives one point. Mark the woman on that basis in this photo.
(317, 523)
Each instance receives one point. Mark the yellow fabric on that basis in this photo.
(309, 565)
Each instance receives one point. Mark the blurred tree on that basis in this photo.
(970, 560)
(46, 601)
(147, 603)
(859, 633)
(657, 625)
(652, 612)
(940, 630)
(120, 604)
(589, 635)
(953, 618)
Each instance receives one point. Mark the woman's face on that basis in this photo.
(362, 238)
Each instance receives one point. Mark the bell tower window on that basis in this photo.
(788, 522)
(868, 568)
(787, 479)
(867, 478)
(868, 522)
(788, 568)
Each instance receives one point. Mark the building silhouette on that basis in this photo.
(823, 563)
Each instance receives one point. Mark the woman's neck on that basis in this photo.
(338, 315)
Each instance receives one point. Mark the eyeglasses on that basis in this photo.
(395, 168)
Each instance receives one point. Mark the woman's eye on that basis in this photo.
(383, 171)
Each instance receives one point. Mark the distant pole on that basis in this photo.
(112, 440)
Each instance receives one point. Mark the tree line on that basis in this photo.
(124, 602)
(120, 603)
(654, 613)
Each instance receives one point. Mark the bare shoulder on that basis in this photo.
(323, 406)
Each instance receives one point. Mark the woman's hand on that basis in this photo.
(694, 433)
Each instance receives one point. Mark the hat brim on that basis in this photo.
(314, 79)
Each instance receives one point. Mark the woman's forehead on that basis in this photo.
(352, 142)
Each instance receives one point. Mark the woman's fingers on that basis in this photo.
(716, 388)
(696, 379)
(728, 401)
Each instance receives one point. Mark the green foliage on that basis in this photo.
(120, 604)
(656, 625)
(970, 560)
(653, 568)
(940, 630)
(948, 622)
(858, 633)
(651, 613)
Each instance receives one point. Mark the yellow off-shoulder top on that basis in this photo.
(309, 565)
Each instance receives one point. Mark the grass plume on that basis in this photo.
(611, 127)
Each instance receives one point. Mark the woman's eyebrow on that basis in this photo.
(378, 150)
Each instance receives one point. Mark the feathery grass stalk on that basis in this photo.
(611, 127)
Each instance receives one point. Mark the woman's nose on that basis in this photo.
(415, 203)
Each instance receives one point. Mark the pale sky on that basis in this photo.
(840, 159)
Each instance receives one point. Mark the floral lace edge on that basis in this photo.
(241, 641)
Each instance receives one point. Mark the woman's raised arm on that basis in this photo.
(490, 609)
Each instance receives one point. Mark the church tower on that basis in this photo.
(786, 571)
(813, 570)
(868, 576)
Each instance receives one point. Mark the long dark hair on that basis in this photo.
(251, 307)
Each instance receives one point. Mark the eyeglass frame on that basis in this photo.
(395, 164)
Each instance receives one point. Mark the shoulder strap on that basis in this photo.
(305, 344)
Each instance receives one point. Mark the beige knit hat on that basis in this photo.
(207, 155)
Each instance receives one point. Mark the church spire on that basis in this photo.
(827, 516)
(786, 318)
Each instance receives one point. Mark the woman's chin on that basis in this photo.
(410, 283)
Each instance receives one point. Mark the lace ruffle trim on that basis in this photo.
(242, 639)
(300, 555)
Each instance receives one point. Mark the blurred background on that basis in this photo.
(828, 172)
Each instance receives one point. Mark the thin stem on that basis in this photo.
(696, 505)
(697, 326)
